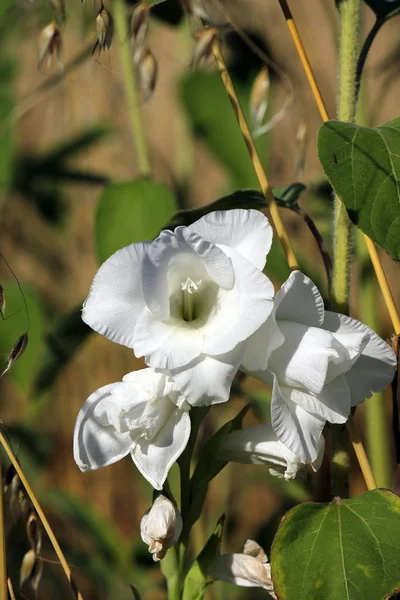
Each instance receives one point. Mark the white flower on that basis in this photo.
(161, 527)
(259, 445)
(323, 364)
(250, 569)
(144, 415)
(187, 300)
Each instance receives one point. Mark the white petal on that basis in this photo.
(302, 360)
(375, 368)
(167, 345)
(298, 429)
(96, 445)
(299, 300)
(208, 379)
(155, 457)
(332, 404)
(259, 346)
(115, 299)
(241, 310)
(247, 231)
(242, 570)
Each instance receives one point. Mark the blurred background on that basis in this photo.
(64, 138)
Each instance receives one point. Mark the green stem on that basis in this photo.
(131, 89)
(349, 12)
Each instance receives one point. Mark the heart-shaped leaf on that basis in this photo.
(345, 550)
(363, 166)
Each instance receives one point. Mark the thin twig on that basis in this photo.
(380, 274)
(255, 158)
(359, 450)
(11, 589)
(41, 516)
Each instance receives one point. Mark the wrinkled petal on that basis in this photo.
(241, 310)
(375, 368)
(259, 346)
(115, 300)
(332, 403)
(243, 570)
(302, 360)
(96, 445)
(298, 429)
(247, 231)
(299, 300)
(155, 457)
(167, 345)
(208, 379)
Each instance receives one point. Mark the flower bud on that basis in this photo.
(140, 23)
(301, 146)
(250, 569)
(148, 74)
(259, 98)
(259, 445)
(161, 527)
(204, 39)
(104, 29)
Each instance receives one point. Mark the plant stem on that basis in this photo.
(3, 568)
(131, 89)
(41, 516)
(365, 51)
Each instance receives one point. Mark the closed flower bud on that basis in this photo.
(259, 98)
(250, 569)
(204, 39)
(148, 74)
(49, 44)
(104, 29)
(260, 446)
(139, 24)
(161, 527)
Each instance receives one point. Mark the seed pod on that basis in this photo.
(139, 24)
(49, 43)
(301, 144)
(104, 29)
(259, 98)
(31, 571)
(59, 8)
(204, 39)
(17, 351)
(2, 301)
(148, 70)
(34, 533)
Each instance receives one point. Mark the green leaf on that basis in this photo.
(15, 324)
(345, 550)
(197, 580)
(62, 343)
(363, 166)
(213, 120)
(131, 212)
(384, 8)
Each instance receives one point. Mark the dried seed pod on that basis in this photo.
(31, 571)
(204, 39)
(301, 144)
(49, 43)
(34, 533)
(17, 351)
(104, 29)
(259, 98)
(139, 24)
(2, 301)
(59, 8)
(148, 70)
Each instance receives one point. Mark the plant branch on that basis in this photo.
(131, 89)
(3, 567)
(41, 516)
(365, 51)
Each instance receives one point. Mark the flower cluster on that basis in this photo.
(197, 306)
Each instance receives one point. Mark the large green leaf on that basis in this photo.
(384, 8)
(345, 550)
(213, 120)
(363, 166)
(131, 212)
(24, 370)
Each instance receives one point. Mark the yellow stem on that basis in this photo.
(359, 450)
(380, 274)
(3, 567)
(255, 158)
(11, 589)
(41, 516)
